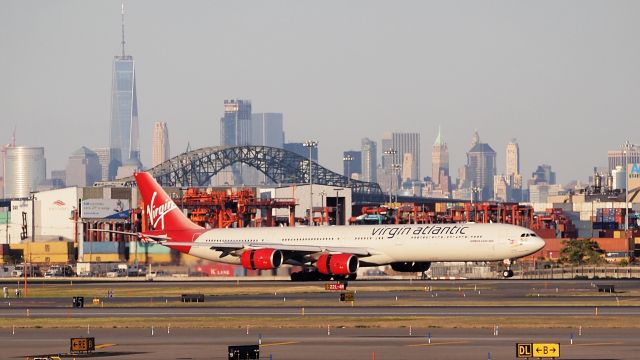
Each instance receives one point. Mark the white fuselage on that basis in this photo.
(388, 243)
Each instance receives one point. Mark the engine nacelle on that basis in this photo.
(261, 259)
(411, 266)
(337, 264)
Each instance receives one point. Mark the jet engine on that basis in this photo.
(261, 259)
(337, 264)
(411, 266)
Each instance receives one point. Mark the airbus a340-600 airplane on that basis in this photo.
(332, 252)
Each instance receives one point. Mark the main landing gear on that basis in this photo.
(507, 273)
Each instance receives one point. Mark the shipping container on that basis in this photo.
(160, 258)
(190, 260)
(104, 247)
(610, 225)
(546, 233)
(51, 258)
(46, 252)
(146, 248)
(102, 258)
(215, 269)
(616, 244)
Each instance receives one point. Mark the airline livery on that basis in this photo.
(333, 252)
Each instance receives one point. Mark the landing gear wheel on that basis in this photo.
(507, 273)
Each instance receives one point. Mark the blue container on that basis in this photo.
(103, 247)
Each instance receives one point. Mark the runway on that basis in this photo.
(388, 320)
(345, 311)
(318, 344)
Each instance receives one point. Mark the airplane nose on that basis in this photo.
(537, 243)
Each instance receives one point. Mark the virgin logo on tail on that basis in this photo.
(157, 213)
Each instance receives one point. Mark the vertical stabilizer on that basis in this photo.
(162, 212)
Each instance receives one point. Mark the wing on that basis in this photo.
(306, 249)
(141, 236)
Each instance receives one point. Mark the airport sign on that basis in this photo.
(337, 286)
(546, 350)
(524, 350)
(347, 296)
(538, 350)
(83, 344)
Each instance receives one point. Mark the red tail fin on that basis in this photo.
(162, 211)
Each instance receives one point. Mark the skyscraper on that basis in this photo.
(440, 165)
(369, 160)
(25, 168)
(161, 150)
(543, 174)
(402, 143)
(124, 136)
(513, 176)
(83, 168)
(513, 158)
(266, 129)
(616, 158)
(439, 159)
(109, 166)
(481, 167)
(235, 125)
(352, 166)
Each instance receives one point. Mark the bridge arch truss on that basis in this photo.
(197, 167)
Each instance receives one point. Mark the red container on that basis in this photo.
(216, 269)
(616, 244)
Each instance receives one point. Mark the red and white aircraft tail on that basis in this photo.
(162, 212)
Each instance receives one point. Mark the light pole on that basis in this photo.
(311, 144)
(391, 152)
(474, 191)
(625, 153)
(33, 216)
(396, 170)
(338, 205)
(322, 195)
(348, 159)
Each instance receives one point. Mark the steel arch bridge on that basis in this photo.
(197, 167)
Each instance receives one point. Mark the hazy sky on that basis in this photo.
(563, 77)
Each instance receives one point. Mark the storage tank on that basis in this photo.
(25, 169)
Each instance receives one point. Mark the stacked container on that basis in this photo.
(103, 251)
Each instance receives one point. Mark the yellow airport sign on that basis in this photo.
(546, 350)
(540, 350)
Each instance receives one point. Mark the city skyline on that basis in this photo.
(460, 68)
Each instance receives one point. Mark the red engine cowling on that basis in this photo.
(261, 259)
(337, 264)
